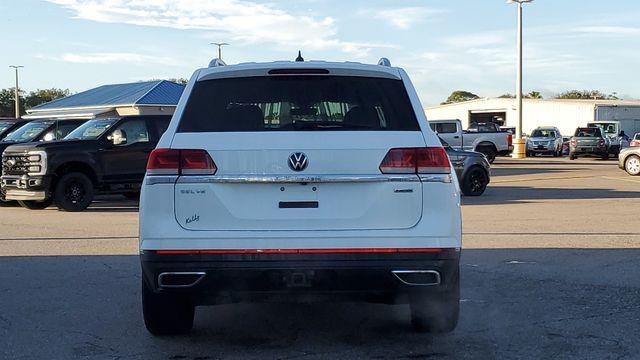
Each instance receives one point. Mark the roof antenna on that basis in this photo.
(299, 58)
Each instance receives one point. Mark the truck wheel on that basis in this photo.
(572, 157)
(35, 205)
(433, 310)
(166, 314)
(73, 192)
(489, 153)
(632, 165)
(605, 156)
(474, 182)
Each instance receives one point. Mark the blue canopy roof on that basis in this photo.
(159, 92)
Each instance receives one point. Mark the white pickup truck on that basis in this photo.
(486, 138)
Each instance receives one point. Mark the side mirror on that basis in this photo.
(118, 137)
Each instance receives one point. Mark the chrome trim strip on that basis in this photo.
(296, 179)
(437, 178)
(199, 273)
(397, 274)
(160, 179)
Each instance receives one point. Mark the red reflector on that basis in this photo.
(196, 162)
(304, 251)
(164, 162)
(180, 162)
(427, 160)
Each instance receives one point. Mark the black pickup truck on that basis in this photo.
(102, 156)
(8, 125)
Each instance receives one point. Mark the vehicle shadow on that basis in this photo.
(90, 307)
(523, 194)
(510, 171)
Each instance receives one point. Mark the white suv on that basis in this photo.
(295, 180)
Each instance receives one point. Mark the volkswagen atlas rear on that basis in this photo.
(299, 181)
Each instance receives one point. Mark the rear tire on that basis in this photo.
(475, 182)
(632, 165)
(489, 152)
(132, 195)
(166, 314)
(35, 205)
(73, 192)
(572, 157)
(435, 311)
(605, 157)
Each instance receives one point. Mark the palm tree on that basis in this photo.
(534, 95)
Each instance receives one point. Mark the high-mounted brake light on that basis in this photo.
(427, 160)
(180, 162)
(301, 71)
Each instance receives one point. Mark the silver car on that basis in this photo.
(629, 160)
(545, 140)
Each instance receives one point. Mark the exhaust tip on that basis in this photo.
(174, 280)
(418, 277)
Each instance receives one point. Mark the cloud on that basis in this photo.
(608, 30)
(117, 57)
(403, 18)
(243, 22)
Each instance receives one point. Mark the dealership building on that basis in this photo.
(566, 115)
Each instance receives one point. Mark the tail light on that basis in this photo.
(601, 142)
(180, 162)
(509, 139)
(427, 160)
(634, 143)
(573, 142)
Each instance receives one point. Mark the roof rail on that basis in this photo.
(217, 62)
(384, 62)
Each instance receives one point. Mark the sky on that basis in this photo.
(444, 45)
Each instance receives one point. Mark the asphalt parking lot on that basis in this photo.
(549, 270)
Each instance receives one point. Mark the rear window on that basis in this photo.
(588, 132)
(298, 103)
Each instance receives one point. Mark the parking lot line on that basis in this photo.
(541, 179)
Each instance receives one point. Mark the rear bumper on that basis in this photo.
(255, 277)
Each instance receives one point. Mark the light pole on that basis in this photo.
(519, 146)
(219, 45)
(17, 91)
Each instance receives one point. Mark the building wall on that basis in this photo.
(566, 115)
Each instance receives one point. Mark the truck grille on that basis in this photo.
(19, 164)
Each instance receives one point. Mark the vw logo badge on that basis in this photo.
(298, 161)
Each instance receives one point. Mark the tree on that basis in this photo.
(182, 81)
(507, 96)
(586, 94)
(534, 95)
(7, 102)
(460, 96)
(42, 96)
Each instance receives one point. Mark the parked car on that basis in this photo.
(566, 145)
(8, 125)
(106, 156)
(322, 181)
(486, 138)
(472, 169)
(611, 130)
(635, 141)
(588, 141)
(544, 141)
(629, 160)
(38, 131)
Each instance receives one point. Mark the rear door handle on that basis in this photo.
(456, 137)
